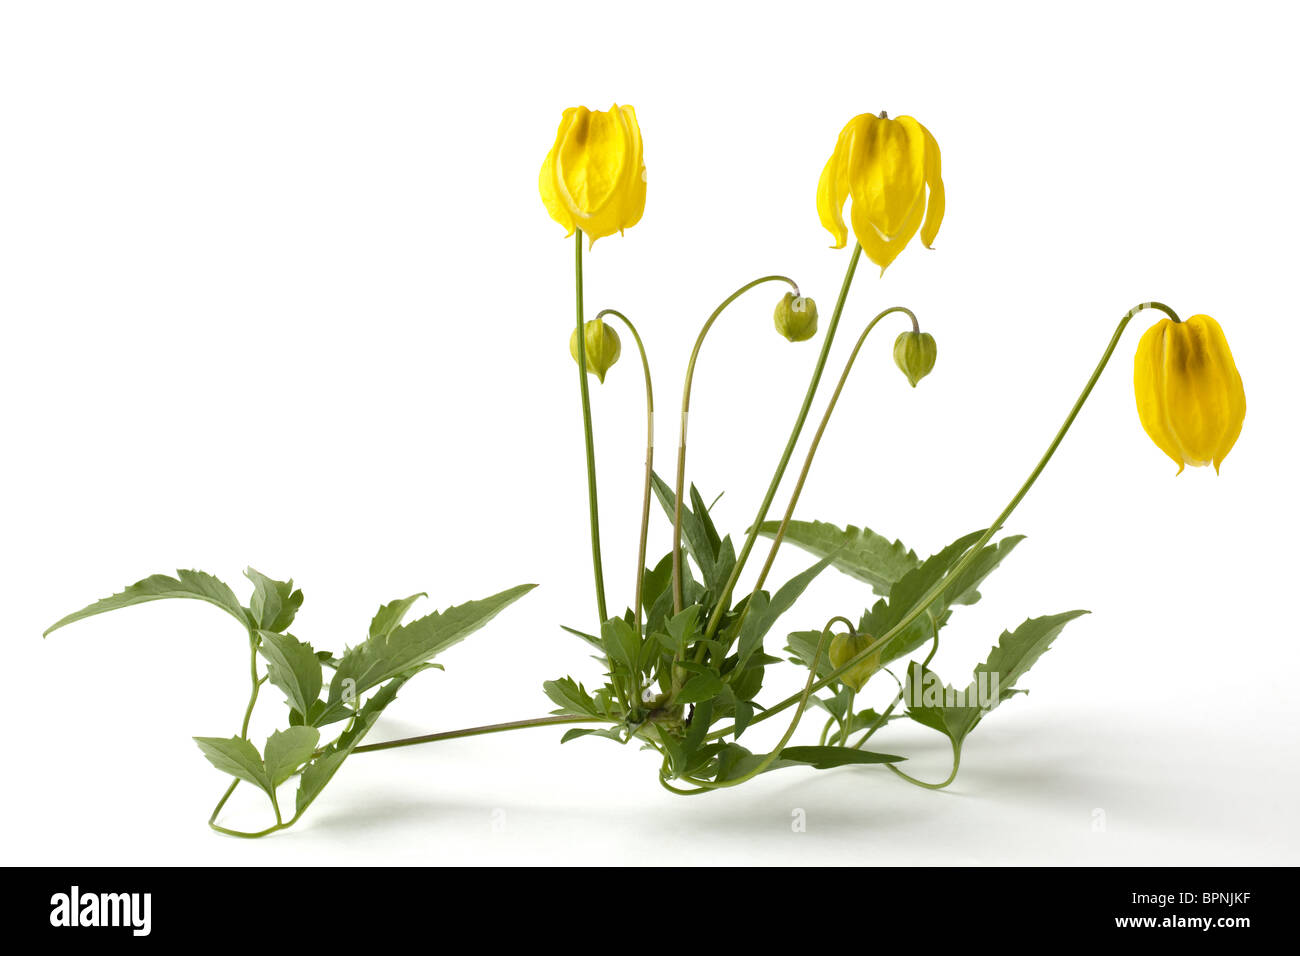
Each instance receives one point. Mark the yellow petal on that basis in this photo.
(1148, 389)
(548, 185)
(886, 176)
(833, 188)
(1225, 398)
(934, 181)
(634, 193)
(877, 248)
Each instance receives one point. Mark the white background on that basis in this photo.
(277, 288)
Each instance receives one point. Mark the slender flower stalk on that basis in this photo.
(716, 619)
(593, 509)
(649, 461)
(678, 600)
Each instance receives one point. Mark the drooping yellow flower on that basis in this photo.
(593, 178)
(1189, 394)
(884, 166)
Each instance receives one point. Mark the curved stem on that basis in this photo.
(678, 601)
(955, 573)
(592, 510)
(956, 765)
(716, 619)
(817, 438)
(256, 682)
(649, 459)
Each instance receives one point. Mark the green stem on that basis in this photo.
(256, 682)
(956, 765)
(479, 731)
(592, 509)
(649, 459)
(678, 600)
(716, 619)
(935, 592)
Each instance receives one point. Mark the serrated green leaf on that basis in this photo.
(824, 758)
(908, 592)
(287, 750)
(197, 585)
(858, 552)
(993, 682)
(293, 667)
(237, 757)
(571, 697)
(408, 645)
(391, 615)
(274, 603)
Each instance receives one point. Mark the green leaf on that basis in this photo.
(802, 647)
(701, 511)
(695, 531)
(287, 750)
(743, 714)
(909, 591)
(197, 585)
(956, 713)
(571, 697)
(293, 667)
(274, 603)
(762, 613)
(700, 688)
(321, 769)
(408, 645)
(858, 552)
(824, 758)
(388, 617)
(609, 732)
(591, 639)
(237, 757)
(621, 644)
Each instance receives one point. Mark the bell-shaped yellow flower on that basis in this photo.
(1189, 394)
(883, 165)
(593, 178)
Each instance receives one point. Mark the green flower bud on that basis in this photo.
(914, 353)
(843, 648)
(603, 347)
(796, 317)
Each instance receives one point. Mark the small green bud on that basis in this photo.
(843, 648)
(603, 347)
(914, 353)
(796, 317)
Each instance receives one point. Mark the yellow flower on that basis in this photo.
(593, 178)
(884, 165)
(1189, 394)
